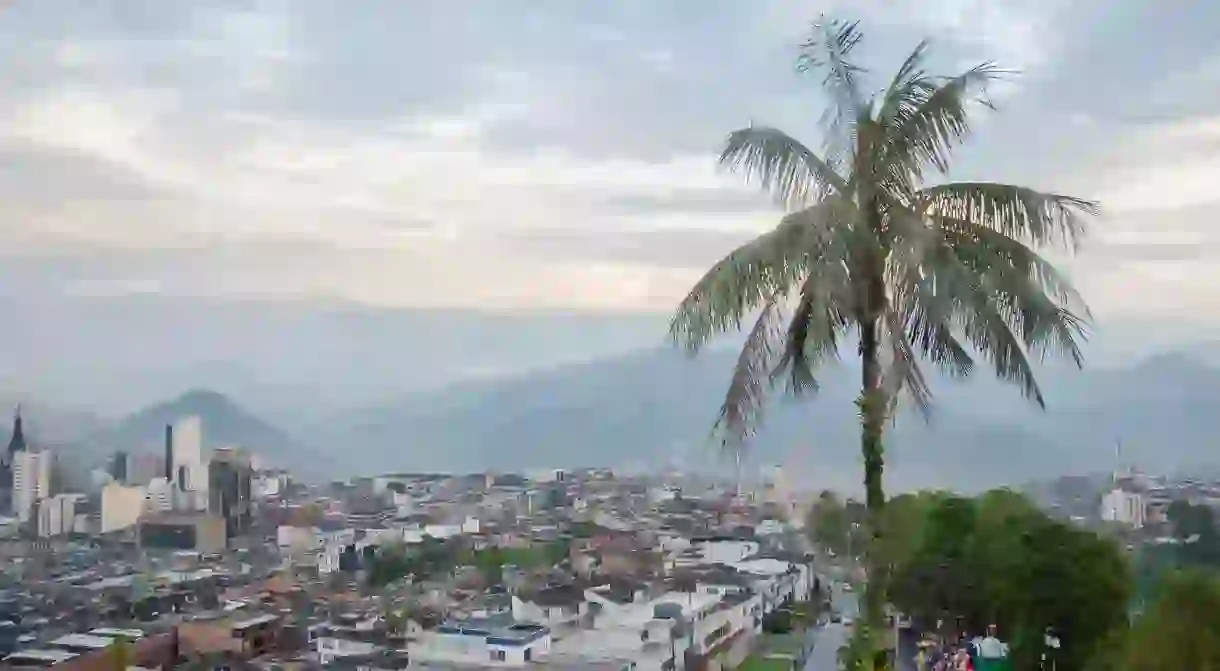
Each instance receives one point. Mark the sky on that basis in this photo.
(163, 162)
(548, 155)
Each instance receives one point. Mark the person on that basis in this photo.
(990, 646)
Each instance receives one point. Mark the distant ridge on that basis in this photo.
(656, 407)
(225, 423)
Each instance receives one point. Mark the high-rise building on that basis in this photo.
(121, 506)
(167, 464)
(229, 478)
(31, 481)
(16, 445)
(188, 473)
(57, 514)
(159, 496)
(119, 467)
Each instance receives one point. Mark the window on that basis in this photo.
(498, 655)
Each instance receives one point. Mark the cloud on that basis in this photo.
(441, 156)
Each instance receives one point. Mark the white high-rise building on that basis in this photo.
(31, 481)
(1124, 507)
(188, 449)
(190, 473)
(122, 506)
(57, 514)
(159, 497)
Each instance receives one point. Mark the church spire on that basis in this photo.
(17, 442)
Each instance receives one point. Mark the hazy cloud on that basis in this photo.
(441, 154)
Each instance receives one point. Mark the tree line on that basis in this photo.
(1056, 591)
(438, 558)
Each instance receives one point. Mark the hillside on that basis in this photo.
(656, 407)
(225, 423)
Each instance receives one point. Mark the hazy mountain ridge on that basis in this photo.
(656, 407)
(225, 424)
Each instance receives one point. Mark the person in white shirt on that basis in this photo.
(991, 647)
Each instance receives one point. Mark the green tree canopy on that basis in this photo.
(1194, 526)
(998, 559)
(1180, 630)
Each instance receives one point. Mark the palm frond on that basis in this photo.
(928, 317)
(1018, 212)
(1029, 290)
(988, 329)
(745, 400)
(925, 118)
(952, 276)
(789, 170)
(902, 373)
(816, 327)
(828, 49)
(744, 280)
(909, 87)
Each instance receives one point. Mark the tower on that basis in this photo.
(169, 453)
(229, 476)
(8, 459)
(119, 467)
(17, 442)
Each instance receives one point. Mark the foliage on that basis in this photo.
(805, 613)
(998, 559)
(120, 654)
(836, 525)
(584, 529)
(777, 622)
(869, 251)
(435, 558)
(1194, 526)
(490, 563)
(1179, 631)
(759, 663)
(396, 620)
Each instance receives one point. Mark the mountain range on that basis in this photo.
(652, 409)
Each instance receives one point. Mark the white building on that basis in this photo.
(330, 650)
(122, 506)
(312, 546)
(159, 496)
(31, 481)
(726, 552)
(647, 631)
(1124, 507)
(267, 485)
(305, 539)
(480, 642)
(189, 471)
(57, 514)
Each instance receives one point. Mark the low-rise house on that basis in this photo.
(483, 641)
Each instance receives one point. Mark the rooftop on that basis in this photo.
(494, 629)
(89, 641)
(41, 655)
(254, 621)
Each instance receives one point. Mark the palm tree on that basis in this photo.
(869, 251)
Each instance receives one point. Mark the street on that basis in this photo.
(825, 653)
(829, 639)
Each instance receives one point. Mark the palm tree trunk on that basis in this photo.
(872, 406)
